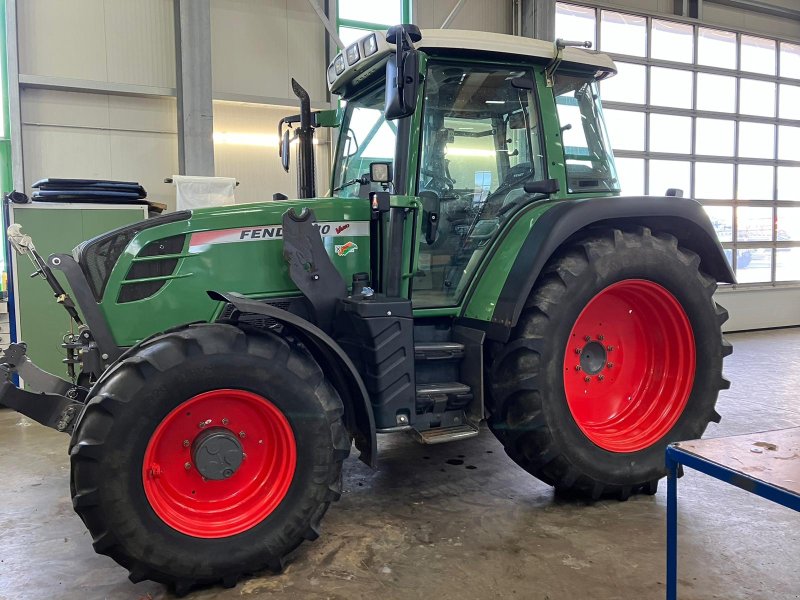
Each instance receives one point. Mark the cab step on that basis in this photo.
(438, 397)
(440, 435)
(438, 350)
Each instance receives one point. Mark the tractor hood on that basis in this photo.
(159, 270)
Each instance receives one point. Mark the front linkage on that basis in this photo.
(53, 401)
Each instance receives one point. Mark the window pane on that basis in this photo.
(670, 87)
(670, 134)
(625, 128)
(758, 55)
(788, 143)
(789, 183)
(789, 224)
(672, 41)
(665, 174)
(790, 60)
(722, 220)
(754, 182)
(714, 137)
(623, 34)
(716, 48)
(575, 23)
(385, 12)
(631, 176)
(756, 98)
(753, 224)
(626, 86)
(788, 267)
(350, 35)
(716, 92)
(789, 102)
(756, 140)
(754, 265)
(713, 181)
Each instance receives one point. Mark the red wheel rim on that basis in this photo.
(629, 365)
(207, 508)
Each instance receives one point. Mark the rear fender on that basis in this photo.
(338, 368)
(567, 220)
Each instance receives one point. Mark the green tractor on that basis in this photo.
(473, 262)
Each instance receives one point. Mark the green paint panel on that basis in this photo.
(216, 258)
(43, 323)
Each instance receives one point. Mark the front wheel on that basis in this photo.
(207, 454)
(617, 353)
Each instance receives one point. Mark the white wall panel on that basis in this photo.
(259, 45)
(62, 39)
(140, 42)
(94, 136)
(476, 15)
(121, 41)
(759, 309)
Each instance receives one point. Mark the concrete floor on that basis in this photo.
(423, 527)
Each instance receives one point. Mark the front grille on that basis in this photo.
(98, 255)
(151, 268)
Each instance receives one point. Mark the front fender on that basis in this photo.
(565, 220)
(338, 368)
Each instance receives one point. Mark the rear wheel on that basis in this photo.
(617, 353)
(208, 454)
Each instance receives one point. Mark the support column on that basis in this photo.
(193, 83)
(14, 125)
(538, 19)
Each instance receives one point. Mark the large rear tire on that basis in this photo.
(208, 454)
(617, 353)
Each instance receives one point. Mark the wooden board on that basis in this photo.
(770, 456)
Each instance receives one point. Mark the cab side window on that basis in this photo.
(480, 145)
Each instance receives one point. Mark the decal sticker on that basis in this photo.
(345, 249)
(200, 240)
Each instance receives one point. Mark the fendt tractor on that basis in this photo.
(474, 261)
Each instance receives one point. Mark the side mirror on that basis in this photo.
(543, 186)
(402, 84)
(380, 172)
(284, 151)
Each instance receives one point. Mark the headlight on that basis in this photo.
(352, 54)
(338, 65)
(370, 45)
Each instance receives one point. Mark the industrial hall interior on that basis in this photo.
(400, 299)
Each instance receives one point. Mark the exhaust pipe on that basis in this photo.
(306, 177)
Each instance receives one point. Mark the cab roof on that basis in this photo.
(363, 58)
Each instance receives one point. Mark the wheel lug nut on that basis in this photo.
(205, 423)
(587, 338)
(601, 337)
(224, 421)
(241, 434)
(587, 379)
(600, 377)
(578, 350)
(185, 443)
(610, 348)
(610, 365)
(577, 367)
(187, 466)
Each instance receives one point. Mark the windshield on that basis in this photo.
(590, 163)
(365, 137)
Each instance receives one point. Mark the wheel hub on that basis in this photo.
(593, 358)
(217, 453)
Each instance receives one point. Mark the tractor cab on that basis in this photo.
(479, 130)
